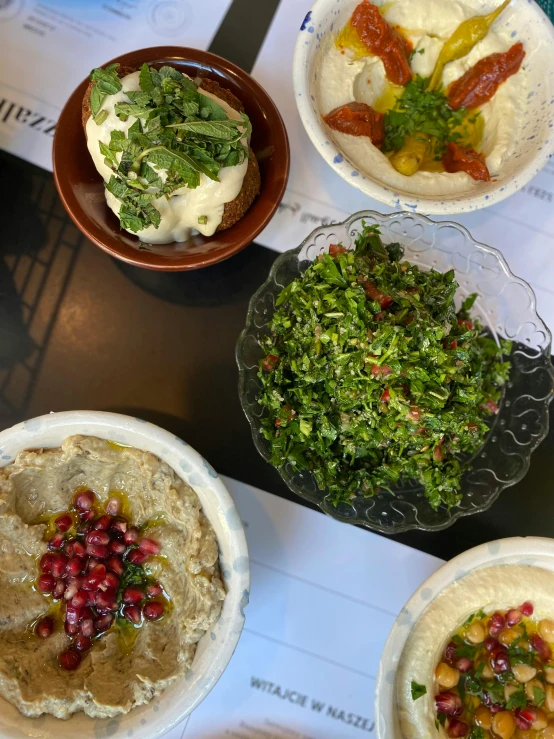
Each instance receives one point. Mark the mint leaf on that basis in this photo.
(145, 80)
(127, 109)
(108, 154)
(96, 101)
(211, 108)
(418, 690)
(107, 80)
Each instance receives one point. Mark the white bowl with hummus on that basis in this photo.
(495, 577)
(518, 133)
(169, 489)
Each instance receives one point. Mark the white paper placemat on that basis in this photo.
(324, 596)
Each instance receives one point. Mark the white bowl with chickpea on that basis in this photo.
(472, 652)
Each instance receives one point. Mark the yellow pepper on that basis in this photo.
(465, 37)
(409, 158)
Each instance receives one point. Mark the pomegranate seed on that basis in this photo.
(92, 563)
(513, 617)
(448, 703)
(84, 500)
(103, 623)
(63, 522)
(385, 397)
(87, 627)
(527, 609)
(132, 595)
(70, 660)
(79, 550)
(491, 643)
(500, 661)
(131, 536)
(59, 589)
(74, 567)
(83, 643)
(414, 414)
(71, 629)
(106, 600)
(524, 718)
(98, 551)
(270, 363)
(86, 612)
(45, 563)
(56, 542)
(116, 565)
(72, 614)
(457, 729)
(149, 546)
(71, 590)
(539, 644)
(110, 581)
(79, 599)
(44, 627)
(137, 557)
(438, 456)
(95, 577)
(98, 537)
(154, 589)
(117, 547)
(113, 506)
(46, 583)
(132, 613)
(69, 548)
(464, 664)
(496, 624)
(153, 610)
(119, 524)
(103, 524)
(87, 516)
(58, 565)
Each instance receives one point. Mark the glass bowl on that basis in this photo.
(506, 304)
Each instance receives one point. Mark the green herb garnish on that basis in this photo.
(539, 696)
(371, 377)
(418, 690)
(134, 576)
(178, 130)
(421, 111)
(517, 699)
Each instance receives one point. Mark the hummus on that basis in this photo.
(491, 589)
(427, 24)
(113, 676)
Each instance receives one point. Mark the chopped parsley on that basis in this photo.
(371, 377)
(517, 699)
(539, 696)
(177, 129)
(418, 691)
(421, 111)
(133, 575)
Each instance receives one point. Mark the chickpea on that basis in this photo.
(549, 702)
(530, 689)
(524, 673)
(446, 676)
(476, 633)
(483, 717)
(541, 722)
(523, 734)
(487, 673)
(548, 733)
(504, 725)
(546, 629)
(549, 673)
(507, 636)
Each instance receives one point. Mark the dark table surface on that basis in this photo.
(80, 330)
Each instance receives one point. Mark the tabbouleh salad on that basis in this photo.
(371, 377)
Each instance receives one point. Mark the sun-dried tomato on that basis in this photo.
(470, 161)
(358, 119)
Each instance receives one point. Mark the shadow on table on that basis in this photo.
(231, 281)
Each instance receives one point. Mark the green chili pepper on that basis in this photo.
(409, 158)
(465, 37)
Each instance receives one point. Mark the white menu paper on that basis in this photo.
(48, 46)
(324, 596)
(522, 226)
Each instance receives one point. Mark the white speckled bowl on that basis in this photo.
(529, 24)
(215, 648)
(531, 550)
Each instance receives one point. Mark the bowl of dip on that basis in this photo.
(488, 611)
(185, 236)
(511, 133)
(170, 494)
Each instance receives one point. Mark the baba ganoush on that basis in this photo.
(109, 575)
(173, 152)
(426, 95)
(479, 661)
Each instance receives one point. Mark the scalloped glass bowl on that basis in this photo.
(506, 305)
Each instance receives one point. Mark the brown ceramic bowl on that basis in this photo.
(82, 189)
